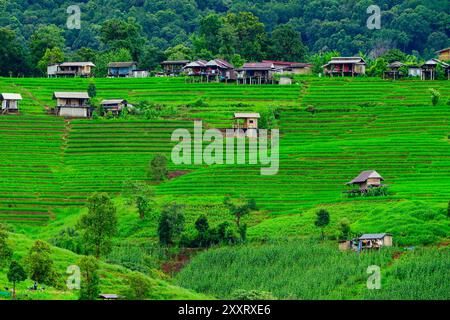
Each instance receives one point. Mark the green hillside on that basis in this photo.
(331, 130)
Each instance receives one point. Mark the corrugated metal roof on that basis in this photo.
(257, 66)
(77, 64)
(175, 62)
(71, 95)
(113, 101)
(246, 115)
(220, 63)
(121, 64)
(363, 176)
(11, 96)
(198, 63)
(369, 236)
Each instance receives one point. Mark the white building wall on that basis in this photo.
(73, 112)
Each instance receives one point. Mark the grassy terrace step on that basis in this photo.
(48, 163)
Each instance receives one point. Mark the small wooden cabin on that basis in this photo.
(10, 102)
(374, 241)
(220, 70)
(114, 106)
(345, 66)
(75, 69)
(174, 67)
(429, 69)
(196, 69)
(292, 67)
(121, 69)
(72, 104)
(367, 179)
(393, 71)
(367, 242)
(444, 54)
(258, 73)
(248, 123)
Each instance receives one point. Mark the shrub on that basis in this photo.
(435, 96)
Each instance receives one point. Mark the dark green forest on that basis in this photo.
(34, 33)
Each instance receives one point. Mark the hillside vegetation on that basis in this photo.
(330, 131)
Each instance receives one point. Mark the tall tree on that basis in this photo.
(16, 274)
(51, 56)
(119, 33)
(89, 286)
(322, 220)
(45, 37)
(250, 34)
(171, 223)
(12, 54)
(5, 251)
(286, 44)
(158, 168)
(40, 264)
(99, 224)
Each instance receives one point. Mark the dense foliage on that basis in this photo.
(151, 30)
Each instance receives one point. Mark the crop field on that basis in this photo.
(330, 131)
(361, 124)
(302, 270)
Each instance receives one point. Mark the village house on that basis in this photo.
(220, 70)
(444, 54)
(72, 104)
(140, 73)
(429, 69)
(257, 73)
(114, 106)
(248, 123)
(71, 69)
(121, 69)
(345, 66)
(196, 69)
(393, 71)
(367, 242)
(367, 179)
(292, 67)
(174, 67)
(10, 102)
(52, 69)
(414, 71)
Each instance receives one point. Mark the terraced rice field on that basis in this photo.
(359, 124)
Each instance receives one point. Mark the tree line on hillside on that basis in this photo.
(31, 36)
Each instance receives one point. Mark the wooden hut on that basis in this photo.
(10, 102)
(292, 67)
(367, 179)
(247, 123)
(114, 106)
(121, 69)
(393, 71)
(345, 66)
(174, 67)
(72, 104)
(108, 296)
(220, 70)
(367, 242)
(75, 69)
(444, 54)
(258, 73)
(374, 241)
(196, 70)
